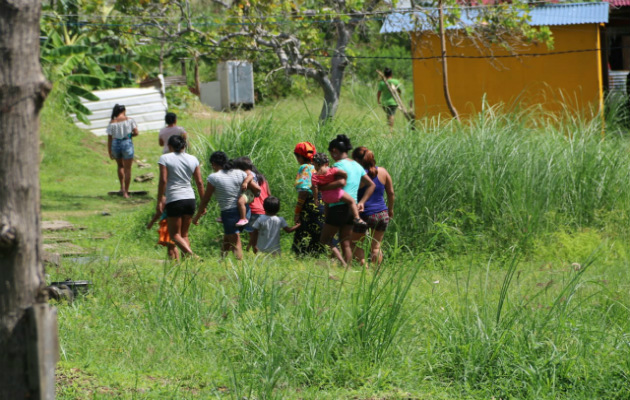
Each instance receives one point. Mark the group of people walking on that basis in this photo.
(336, 204)
(369, 186)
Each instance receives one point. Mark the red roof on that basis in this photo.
(619, 3)
(613, 3)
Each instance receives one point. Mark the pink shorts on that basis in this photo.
(332, 196)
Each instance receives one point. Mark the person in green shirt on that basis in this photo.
(385, 99)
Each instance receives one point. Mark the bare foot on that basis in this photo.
(125, 195)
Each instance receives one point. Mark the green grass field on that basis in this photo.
(506, 271)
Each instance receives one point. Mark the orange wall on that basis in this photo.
(574, 79)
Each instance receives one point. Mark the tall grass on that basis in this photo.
(545, 346)
(276, 328)
(492, 181)
(505, 276)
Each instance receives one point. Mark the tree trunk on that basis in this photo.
(447, 93)
(338, 64)
(161, 66)
(331, 100)
(197, 79)
(28, 325)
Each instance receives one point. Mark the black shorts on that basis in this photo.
(179, 208)
(339, 215)
(390, 110)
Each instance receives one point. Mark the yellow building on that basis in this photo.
(568, 75)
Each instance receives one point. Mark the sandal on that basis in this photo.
(359, 222)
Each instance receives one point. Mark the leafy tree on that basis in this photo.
(171, 27)
(81, 57)
(310, 38)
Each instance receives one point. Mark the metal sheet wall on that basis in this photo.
(147, 106)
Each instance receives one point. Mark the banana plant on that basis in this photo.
(80, 60)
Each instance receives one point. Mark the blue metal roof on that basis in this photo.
(570, 14)
(544, 15)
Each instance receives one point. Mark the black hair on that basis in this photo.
(387, 72)
(271, 205)
(219, 158)
(118, 109)
(170, 118)
(177, 142)
(320, 159)
(245, 163)
(341, 143)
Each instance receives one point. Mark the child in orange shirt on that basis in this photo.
(163, 238)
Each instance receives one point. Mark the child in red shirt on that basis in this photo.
(324, 175)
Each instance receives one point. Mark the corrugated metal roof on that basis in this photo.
(545, 15)
(619, 3)
(569, 14)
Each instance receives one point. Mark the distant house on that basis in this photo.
(617, 50)
(571, 74)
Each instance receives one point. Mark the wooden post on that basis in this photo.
(447, 93)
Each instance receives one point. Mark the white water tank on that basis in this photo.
(237, 84)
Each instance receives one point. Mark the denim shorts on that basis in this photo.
(230, 218)
(122, 148)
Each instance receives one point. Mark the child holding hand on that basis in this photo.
(324, 175)
(163, 237)
(266, 234)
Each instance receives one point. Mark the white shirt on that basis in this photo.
(268, 228)
(122, 129)
(180, 167)
(167, 132)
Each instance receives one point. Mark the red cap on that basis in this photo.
(305, 149)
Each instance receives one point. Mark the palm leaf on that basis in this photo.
(82, 118)
(86, 94)
(113, 59)
(65, 51)
(79, 108)
(82, 79)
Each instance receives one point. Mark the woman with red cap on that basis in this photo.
(307, 212)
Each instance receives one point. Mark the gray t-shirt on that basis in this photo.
(268, 228)
(122, 129)
(180, 167)
(167, 132)
(227, 187)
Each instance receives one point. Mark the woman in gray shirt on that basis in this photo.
(176, 170)
(226, 183)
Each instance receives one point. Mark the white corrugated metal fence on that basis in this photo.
(147, 106)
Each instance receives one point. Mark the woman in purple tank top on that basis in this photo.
(377, 213)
